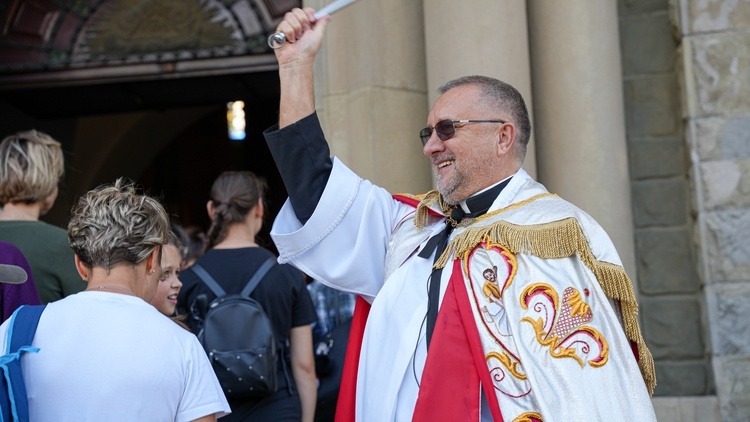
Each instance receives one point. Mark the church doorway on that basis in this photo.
(139, 89)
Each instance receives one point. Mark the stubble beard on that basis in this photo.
(453, 187)
(447, 185)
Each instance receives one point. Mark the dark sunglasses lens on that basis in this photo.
(425, 134)
(445, 129)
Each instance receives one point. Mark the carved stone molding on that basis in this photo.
(66, 36)
(133, 29)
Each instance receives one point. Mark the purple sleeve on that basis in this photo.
(13, 296)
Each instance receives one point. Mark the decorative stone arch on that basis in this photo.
(78, 41)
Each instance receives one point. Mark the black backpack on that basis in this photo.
(239, 338)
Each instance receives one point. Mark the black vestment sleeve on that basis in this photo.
(304, 161)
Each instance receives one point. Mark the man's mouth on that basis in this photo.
(445, 163)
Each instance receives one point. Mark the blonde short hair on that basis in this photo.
(115, 224)
(31, 166)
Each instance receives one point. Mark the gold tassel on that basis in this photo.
(562, 239)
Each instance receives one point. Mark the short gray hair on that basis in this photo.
(31, 166)
(503, 97)
(115, 224)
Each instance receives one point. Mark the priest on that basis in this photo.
(488, 298)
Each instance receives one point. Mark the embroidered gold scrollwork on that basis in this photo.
(529, 417)
(577, 306)
(508, 363)
(603, 356)
(562, 326)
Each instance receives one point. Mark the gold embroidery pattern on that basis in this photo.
(490, 301)
(556, 239)
(509, 363)
(529, 417)
(562, 239)
(489, 271)
(562, 325)
(491, 287)
(577, 306)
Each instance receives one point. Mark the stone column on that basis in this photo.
(482, 37)
(371, 92)
(580, 121)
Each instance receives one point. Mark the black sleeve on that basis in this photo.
(304, 161)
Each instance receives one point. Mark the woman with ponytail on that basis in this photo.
(232, 257)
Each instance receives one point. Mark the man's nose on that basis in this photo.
(433, 145)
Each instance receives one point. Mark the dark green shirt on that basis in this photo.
(51, 260)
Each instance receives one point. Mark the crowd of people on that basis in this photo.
(486, 299)
(112, 277)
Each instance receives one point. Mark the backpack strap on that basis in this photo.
(209, 281)
(20, 334)
(23, 326)
(258, 276)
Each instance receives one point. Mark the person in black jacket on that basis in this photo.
(232, 256)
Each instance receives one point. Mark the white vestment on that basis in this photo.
(361, 240)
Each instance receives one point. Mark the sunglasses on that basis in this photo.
(446, 129)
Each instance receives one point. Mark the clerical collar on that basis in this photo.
(481, 201)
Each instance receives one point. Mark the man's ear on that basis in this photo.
(506, 138)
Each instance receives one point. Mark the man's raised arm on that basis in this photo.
(304, 35)
(298, 145)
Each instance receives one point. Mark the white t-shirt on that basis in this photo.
(112, 357)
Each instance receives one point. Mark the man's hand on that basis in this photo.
(304, 35)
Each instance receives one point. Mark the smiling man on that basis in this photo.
(489, 150)
(491, 299)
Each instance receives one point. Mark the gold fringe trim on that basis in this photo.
(562, 239)
(427, 200)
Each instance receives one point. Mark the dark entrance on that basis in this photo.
(139, 89)
(178, 166)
